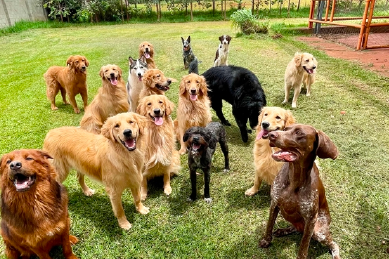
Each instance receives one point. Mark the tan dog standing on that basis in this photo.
(115, 158)
(70, 80)
(301, 64)
(161, 158)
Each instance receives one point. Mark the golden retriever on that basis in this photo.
(266, 168)
(193, 106)
(154, 82)
(111, 99)
(301, 64)
(146, 49)
(34, 211)
(70, 80)
(161, 158)
(115, 158)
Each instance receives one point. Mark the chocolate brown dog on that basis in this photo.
(297, 191)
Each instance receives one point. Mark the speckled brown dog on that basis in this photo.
(297, 191)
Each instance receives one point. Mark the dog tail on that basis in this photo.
(194, 66)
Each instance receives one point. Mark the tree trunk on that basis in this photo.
(252, 7)
(280, 7)
(298, 5)
(191, 10)
(213, 7)
(288, 8)
(222, 7)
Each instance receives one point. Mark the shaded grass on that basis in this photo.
(356, 183)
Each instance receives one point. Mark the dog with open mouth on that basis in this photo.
(155, 82)
(266, 168)
(115, 158)
(302, 65)
(146, 50)
(161, 157)
(134, 85)
(193, 106)
(111, 99)
(34, 206)
(201, 142)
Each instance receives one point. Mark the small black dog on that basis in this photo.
(201, 146)
(190, 60)
(239, 87)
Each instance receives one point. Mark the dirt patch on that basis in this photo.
(343, 47)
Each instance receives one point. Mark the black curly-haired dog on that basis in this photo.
(241, 88)
(201, 146)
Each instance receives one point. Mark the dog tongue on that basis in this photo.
(261, 133)
(158, 121)
(284, 156)
(140, 78)
(114, 81)
(147, 55)
(193, 97)
(310, 71)
(130, 143)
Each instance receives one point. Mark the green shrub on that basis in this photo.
(248, 23)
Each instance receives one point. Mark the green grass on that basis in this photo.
(357, 183)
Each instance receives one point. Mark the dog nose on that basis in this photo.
(127, 133)
(139, 74)
(157, 111)
(265, 124)
(314, 67)
(83, 67)
(193, 91)
(169, 81)
(273, 135)
(196, 139)
(15, 165)
(112, 74)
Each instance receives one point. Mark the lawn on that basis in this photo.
(356, 183)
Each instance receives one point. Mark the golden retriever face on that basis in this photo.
(23, 169)
(273, 118)
(79, 63)
(156, 108)
(306, 61)
(146, 49)
(124, 128)
(111, 74)
(154, 78)
(193, 86)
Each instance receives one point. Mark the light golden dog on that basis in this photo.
(146, 49)
(193, 106)
(111, 99)
(70, 80)
(154, 82)
(302, 64)
(115, 158)
(161, 158)
(266, 168)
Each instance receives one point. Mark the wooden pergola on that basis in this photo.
(364, 26)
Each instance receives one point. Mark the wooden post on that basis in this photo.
(367, 30)
(363, 24)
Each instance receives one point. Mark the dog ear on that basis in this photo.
(326, 148)
(106, 130)
(182, 88)
(86, 62)
(289, 118)
(141, 109)
(43, 154)
(130, 60)
(260, 117)
(69, 62)
(297, 58)
(147, 78)
(101, 73)
(212, 140)
(221, 38)
(186, 135)
(229, 38)
(141, 121)
(182, 39)
(120, 71)
(169, 106)
(188, 40)
(143, 59)
(203, 86)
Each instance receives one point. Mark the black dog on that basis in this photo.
(190, 60)
(241, 88)
(201, 146)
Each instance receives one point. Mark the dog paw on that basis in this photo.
(208, 200)
(76, 110)
(167, 190)
(182, 151)
(144, 210)
(226, 170)
(264, 243)
(89, 192)
(73, 240)
(250, 192)
(189, 199)
(125, 225)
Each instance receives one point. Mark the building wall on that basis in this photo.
(12, 11)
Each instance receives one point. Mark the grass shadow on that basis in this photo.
(237, 199)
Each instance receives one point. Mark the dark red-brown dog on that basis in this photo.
(34, 206)
(297, 191)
